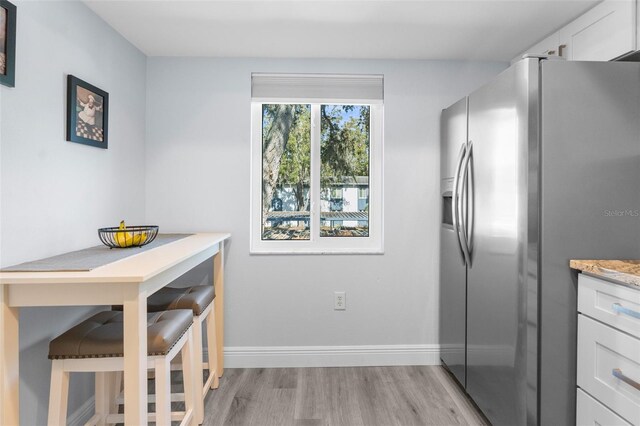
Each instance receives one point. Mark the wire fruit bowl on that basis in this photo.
(130, 236)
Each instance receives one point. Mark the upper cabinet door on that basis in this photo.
(603, 33)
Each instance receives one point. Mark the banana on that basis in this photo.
(128, 239)
(124, 239)
(138, 239)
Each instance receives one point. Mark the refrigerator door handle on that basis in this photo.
(455, 207)
(462, 219)
(470, 202)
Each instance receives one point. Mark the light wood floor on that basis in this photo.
(350, 396)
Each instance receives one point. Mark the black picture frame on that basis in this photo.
(8, 75)
(80, 128)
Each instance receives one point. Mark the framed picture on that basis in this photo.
(7, 43)
(87, 113)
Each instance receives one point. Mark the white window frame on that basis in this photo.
(374, 243)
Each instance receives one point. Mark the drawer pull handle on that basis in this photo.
(617, 373)
(622, 310)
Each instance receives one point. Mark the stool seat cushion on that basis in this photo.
(102, 335)
(196, 298)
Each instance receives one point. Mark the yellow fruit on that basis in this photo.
(124, 239)
(128, 239)
(139, 239)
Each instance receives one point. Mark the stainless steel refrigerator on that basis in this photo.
(539, 166)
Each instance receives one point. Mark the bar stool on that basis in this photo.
(97, 345)
(200, 300)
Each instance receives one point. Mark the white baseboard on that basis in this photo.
(330, 356)
(83, 413)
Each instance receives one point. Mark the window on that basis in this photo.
(335, 192)
(316, 164)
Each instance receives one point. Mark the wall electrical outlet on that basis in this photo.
(339, 301)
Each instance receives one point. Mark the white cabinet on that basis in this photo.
(608, 365)
(592, 413)
(610, 303)
(605, 32)
(608, 352)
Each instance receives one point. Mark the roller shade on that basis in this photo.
(339, 88)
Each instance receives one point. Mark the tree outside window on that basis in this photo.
(286, 170)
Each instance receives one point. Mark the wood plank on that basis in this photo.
(426, 397)
(407, 401)
(274, 407)
(372, 397)
(339, 386)
(284, 378)
(245, 400)
(464, 405)
(340, 396)
(219, 403)
(310, 397)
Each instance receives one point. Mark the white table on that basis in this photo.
(127, 282)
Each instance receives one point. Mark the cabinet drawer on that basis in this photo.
(606, 358)
(590, 412)
(613, 304)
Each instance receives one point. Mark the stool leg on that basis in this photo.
(163, 391)
(191, 395)
(212, 348)
(58, 394)
(117, 390)
(105, 395)
(197, 359)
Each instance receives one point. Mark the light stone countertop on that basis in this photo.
(624, 271)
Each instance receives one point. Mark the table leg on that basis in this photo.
(9, 357)
(218, 284)
(135, 358)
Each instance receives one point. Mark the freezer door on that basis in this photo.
(453, 300)
(452, 269)
(500, 370)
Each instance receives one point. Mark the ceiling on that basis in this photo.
(379, 29)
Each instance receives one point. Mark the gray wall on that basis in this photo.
(197, 179)
(55, 194)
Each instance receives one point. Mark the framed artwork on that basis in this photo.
(7, 43)
(87, 113)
